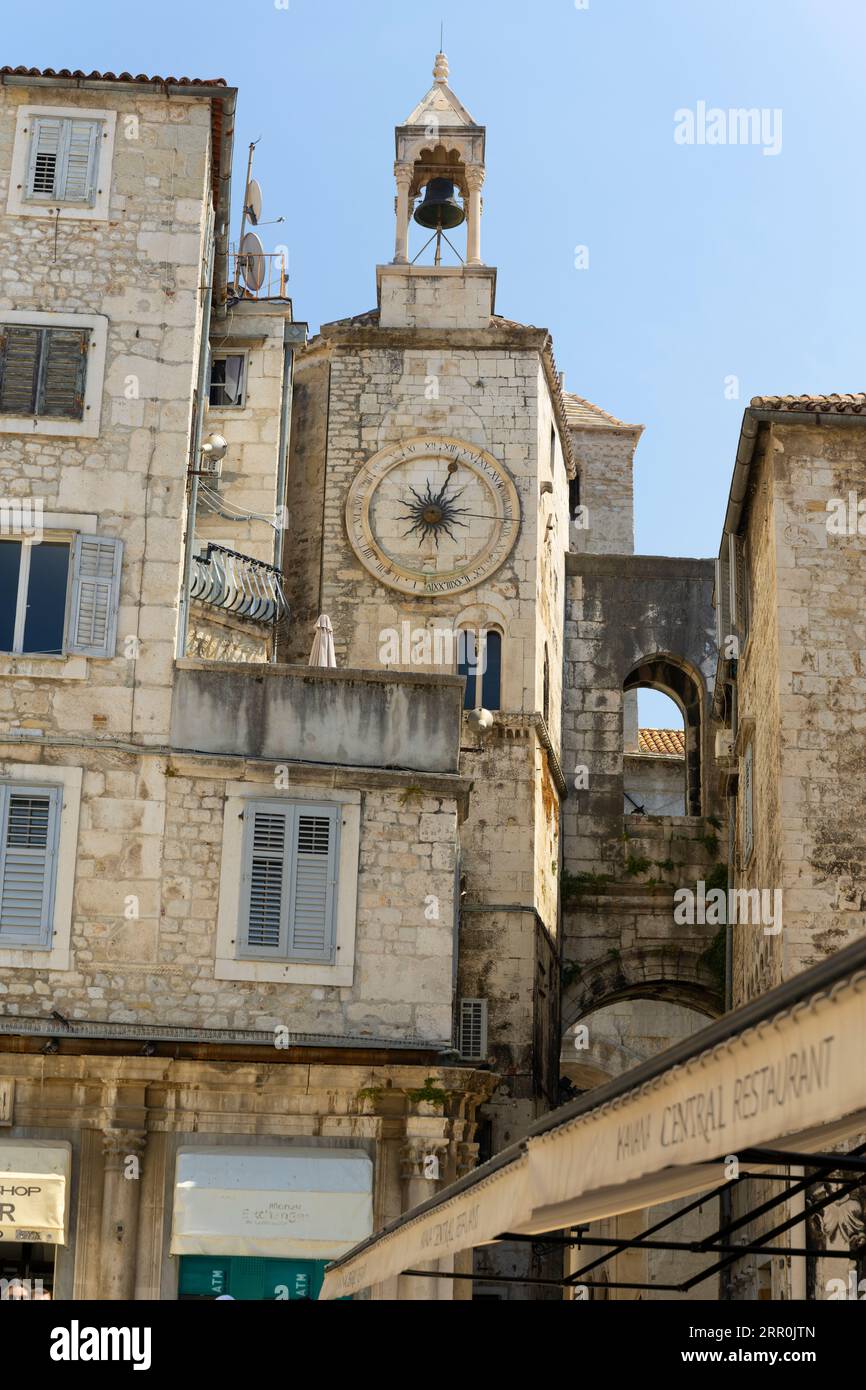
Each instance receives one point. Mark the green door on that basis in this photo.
(250, 1281)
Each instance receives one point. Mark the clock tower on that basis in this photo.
(429, 502)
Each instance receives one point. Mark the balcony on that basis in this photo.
(371, 719)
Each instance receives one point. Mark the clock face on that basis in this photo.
(432, 516)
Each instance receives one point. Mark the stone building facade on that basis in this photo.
(229, 888)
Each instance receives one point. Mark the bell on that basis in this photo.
(440, 208)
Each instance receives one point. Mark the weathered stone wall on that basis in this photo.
(605, 459)
(141, 269)
(656, 784)
(249, 472)
(147, 887)
(214, 638)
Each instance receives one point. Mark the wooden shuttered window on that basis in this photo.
(96, 567)
(64, 160)
(289, 882)
(43, 371)
(723, 597)
(472, 1030)
(29, 835)
(740, 595)
(748, 798)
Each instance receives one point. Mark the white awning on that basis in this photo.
(471, 1218)
(789, 1077)
(34, 1190)
(307, 1204)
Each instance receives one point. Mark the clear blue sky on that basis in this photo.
(705, 262)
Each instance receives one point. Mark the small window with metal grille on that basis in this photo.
(472, 1030)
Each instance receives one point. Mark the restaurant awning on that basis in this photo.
(34, 1190)
(787, 1071)
(307, 1204)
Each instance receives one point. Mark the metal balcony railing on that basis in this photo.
(237, 584)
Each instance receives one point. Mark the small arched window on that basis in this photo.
(480, 663)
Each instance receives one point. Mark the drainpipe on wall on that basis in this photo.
(195, 465)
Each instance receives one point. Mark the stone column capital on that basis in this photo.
(475, 176)
(120, 1143)
(403, 174)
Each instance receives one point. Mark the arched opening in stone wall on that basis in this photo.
(654, 761)
(674, 678)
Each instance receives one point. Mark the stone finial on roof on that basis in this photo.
(441, 70)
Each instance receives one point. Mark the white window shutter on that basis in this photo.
(46, 143)
(77, 182)
(95, 596)
(29, 835)
(264, 879)
(312, 902)
(472, 1030)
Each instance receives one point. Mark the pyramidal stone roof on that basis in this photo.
(583, 415)
(441, 106)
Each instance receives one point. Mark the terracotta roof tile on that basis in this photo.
(66, 74)
(814, 405)
(584, 415)
(662, 743)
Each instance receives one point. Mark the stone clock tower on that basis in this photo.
(429, 497)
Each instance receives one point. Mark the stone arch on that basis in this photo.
(679, 680)
(672, 973)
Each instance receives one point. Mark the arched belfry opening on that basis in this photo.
(440, 172)
(676, 679)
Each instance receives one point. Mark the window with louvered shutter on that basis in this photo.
(29, 833)
(723, 596)
(289, 889)
(472, 1030)
(96, 569)
(747, 794)
(64, 157)
(740, 596)
(43, 371)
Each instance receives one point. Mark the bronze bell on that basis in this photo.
(440, 208)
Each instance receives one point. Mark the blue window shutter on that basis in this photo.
(313, 893)
(95, 596)
(268, 829)
(46, 153)
(29, 836)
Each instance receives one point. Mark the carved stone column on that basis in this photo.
(120, 1206)
(403, 174)
(420, 1189)
(475, 180)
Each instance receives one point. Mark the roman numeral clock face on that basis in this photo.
(432, 516)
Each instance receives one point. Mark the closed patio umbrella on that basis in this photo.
(323, 653)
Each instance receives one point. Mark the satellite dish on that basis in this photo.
(251, 262)
(254, 202)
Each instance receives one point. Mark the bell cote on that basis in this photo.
(440, 174)
(440, 154)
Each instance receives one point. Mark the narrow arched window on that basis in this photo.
(480, 663)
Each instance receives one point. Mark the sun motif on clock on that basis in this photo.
(432, 516)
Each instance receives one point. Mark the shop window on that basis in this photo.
(29, 838)
(228, 380)
(43, 371)
(289, 892)
(472, 1030)
(60, 597)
